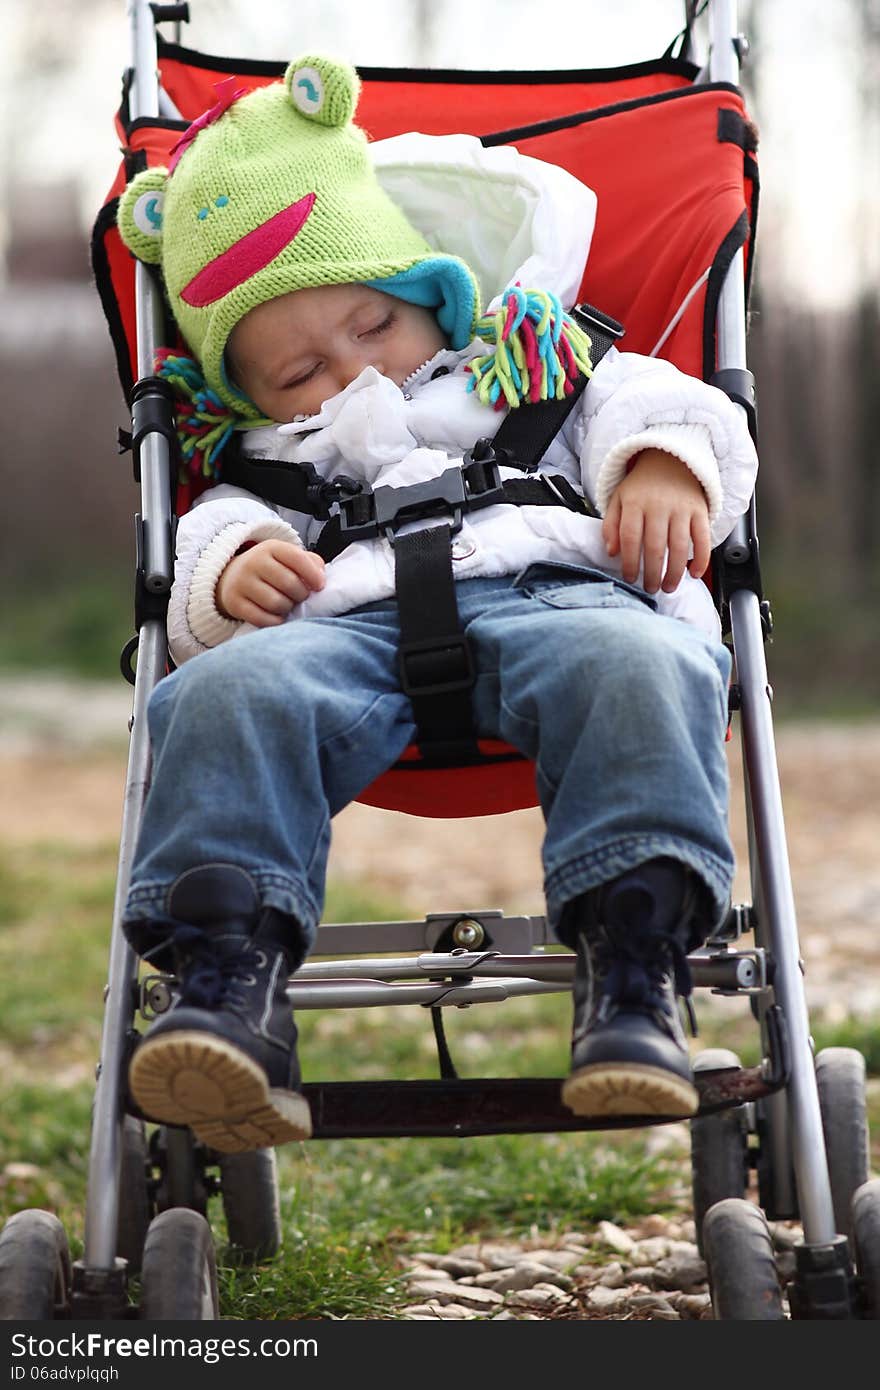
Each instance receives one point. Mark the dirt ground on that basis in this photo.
(62, 771)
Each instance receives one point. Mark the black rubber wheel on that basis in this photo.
(840, 1077)
(249, 1188)
(34, 1268)
(135, 1204)
(179, 1269)
(742, 1271)
(866, 1238)
(719, 1147)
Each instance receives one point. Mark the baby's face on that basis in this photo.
(293, 353)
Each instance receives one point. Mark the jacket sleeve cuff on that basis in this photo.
(208, 626)
(692, 443)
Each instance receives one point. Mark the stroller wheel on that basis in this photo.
(135, 1202)
(34, 1268)
(742, 1271)
(840, 1078)
(179, 1269)
(719, 1147)
(249, 1188)
(866, 1237)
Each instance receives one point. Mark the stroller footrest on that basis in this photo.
(465, 1107)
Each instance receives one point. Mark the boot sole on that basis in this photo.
(631, 1088)
(196, 1079)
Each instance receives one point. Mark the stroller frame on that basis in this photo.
(453, 946)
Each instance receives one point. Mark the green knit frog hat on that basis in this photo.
(272, 192)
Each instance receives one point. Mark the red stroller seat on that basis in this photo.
(673, 167)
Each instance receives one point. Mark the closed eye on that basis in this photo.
(380, 327)
(301, 380)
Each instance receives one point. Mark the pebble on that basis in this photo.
(605, 1300)
(22, 1172)
(525, 1275)
(613, 1277)
(458, 1265)
(654, 1225)
(692, 1305)
(658, 1306)
(615, 1236)
(650, 1250)
(685, 1272)
(491, 1255)
(445, 1290)
(541, 1296)
(482, 1299)
(557, 1259)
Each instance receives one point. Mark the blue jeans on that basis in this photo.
(258, 743)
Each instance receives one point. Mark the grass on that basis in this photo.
(350, 1208)
(72, 626)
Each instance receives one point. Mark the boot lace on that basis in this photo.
(211, 980)
(634, 971)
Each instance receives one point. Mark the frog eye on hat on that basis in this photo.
(323, 90)
(140, 215)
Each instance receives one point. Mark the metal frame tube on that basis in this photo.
(102, 1198)
(759, 750)
(780, 924)
(144, 94)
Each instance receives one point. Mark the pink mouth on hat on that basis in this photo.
(246, 256)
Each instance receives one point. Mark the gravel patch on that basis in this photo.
(651, 1271)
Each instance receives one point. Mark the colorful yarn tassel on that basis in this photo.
(537, 354)
(204, 423)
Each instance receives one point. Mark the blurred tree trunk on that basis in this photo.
(866, 349)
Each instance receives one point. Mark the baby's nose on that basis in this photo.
(355, 362)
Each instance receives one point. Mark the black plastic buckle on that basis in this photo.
(586, 314)
(453, 648)
(477, 483)
(357, 517)
(435, 497)
(321, 493)
(480, 471)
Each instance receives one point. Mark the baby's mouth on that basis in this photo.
(249, 254)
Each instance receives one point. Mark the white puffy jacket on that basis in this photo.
(512, 218)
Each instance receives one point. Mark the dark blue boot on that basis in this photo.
(223, 1060)
(629, 1055)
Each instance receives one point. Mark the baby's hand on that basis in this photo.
(262, 584)
(660, 506)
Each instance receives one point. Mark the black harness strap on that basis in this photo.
(436, 666)
(430, 628)
(527, 433)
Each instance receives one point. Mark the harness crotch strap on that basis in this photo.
(436, 664)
